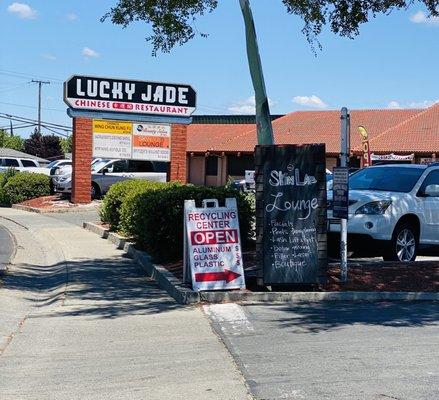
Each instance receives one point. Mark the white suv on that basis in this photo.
(14, 162)
(393, 209)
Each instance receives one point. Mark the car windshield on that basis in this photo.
(389, 179)
(50, 165)
(97, 166)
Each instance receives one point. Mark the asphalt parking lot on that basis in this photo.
(334, 350)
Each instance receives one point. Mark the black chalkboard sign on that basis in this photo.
(291, 213)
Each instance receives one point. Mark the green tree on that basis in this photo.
(66, 144)
(52, 147)
(173, 21)
(10, 142)
(47, 146)
(34, 145)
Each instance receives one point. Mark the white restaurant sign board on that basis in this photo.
(131, 141)
(129, 96)
(212, 245)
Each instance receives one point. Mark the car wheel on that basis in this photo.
(95, 191)
(404, 244)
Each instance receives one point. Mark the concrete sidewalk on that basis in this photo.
(6, 248)
(79, 321)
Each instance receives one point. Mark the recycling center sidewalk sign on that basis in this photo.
(212, 245)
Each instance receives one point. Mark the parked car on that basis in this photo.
(107, 172)
(14, 162)
(393, 209)
(66, 168)
(55, 166)
(29, 165)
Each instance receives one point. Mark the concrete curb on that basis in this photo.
(54, 210)
(183, 295)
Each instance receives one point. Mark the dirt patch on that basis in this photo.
(374, 277)
(56, 203)
(402, 277)
(46, 202)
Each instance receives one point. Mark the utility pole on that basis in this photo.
(40, 83)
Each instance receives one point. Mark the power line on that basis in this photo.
(8, 127)
(24, 75)
(58, 133)
(21, 85)
(29, 120)
(33, 107)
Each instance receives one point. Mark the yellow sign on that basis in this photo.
(113, 127)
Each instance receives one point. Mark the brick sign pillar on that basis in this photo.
(81, 160)
(177, 170)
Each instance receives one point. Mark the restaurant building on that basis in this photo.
(221, 147)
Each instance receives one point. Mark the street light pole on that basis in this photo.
(40, 83)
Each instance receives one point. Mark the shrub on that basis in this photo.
(25, 185)
(111, 205)
(155, 218)
(4, 177)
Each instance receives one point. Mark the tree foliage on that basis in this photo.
(173, 21)
(47, 146)
(34, 145)
(10, 142)
(52, 147)
(66, 144)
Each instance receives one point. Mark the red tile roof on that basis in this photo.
(418, 134)
(210, 137)
(317, 127)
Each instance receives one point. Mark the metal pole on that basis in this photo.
(39, 107)
(39, 101)
(344, 154)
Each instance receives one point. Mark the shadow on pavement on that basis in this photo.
(327, 316)
(101, 288)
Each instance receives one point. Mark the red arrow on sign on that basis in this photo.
(227, 276)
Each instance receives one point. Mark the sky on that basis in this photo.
(393, 63)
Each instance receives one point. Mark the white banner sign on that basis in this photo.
(392, 157)
(152, 142)
(212, 245)
(131, 141)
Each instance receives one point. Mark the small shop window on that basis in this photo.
(236, 166)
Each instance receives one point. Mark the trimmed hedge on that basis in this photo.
(116, 195)
(155, 218)
(21, 186)
(4, 177)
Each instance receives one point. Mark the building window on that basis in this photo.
(212, 165)
(236, 166)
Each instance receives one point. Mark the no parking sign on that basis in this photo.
(212, 245)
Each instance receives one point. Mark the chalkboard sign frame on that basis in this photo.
(266, 158)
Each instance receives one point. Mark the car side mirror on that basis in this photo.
(105, 171)
(431, 191)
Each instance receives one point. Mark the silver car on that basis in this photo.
(107, 172)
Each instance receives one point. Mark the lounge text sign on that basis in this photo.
(292, 203)
(212, 245)
(129, 96)
(131, 141)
